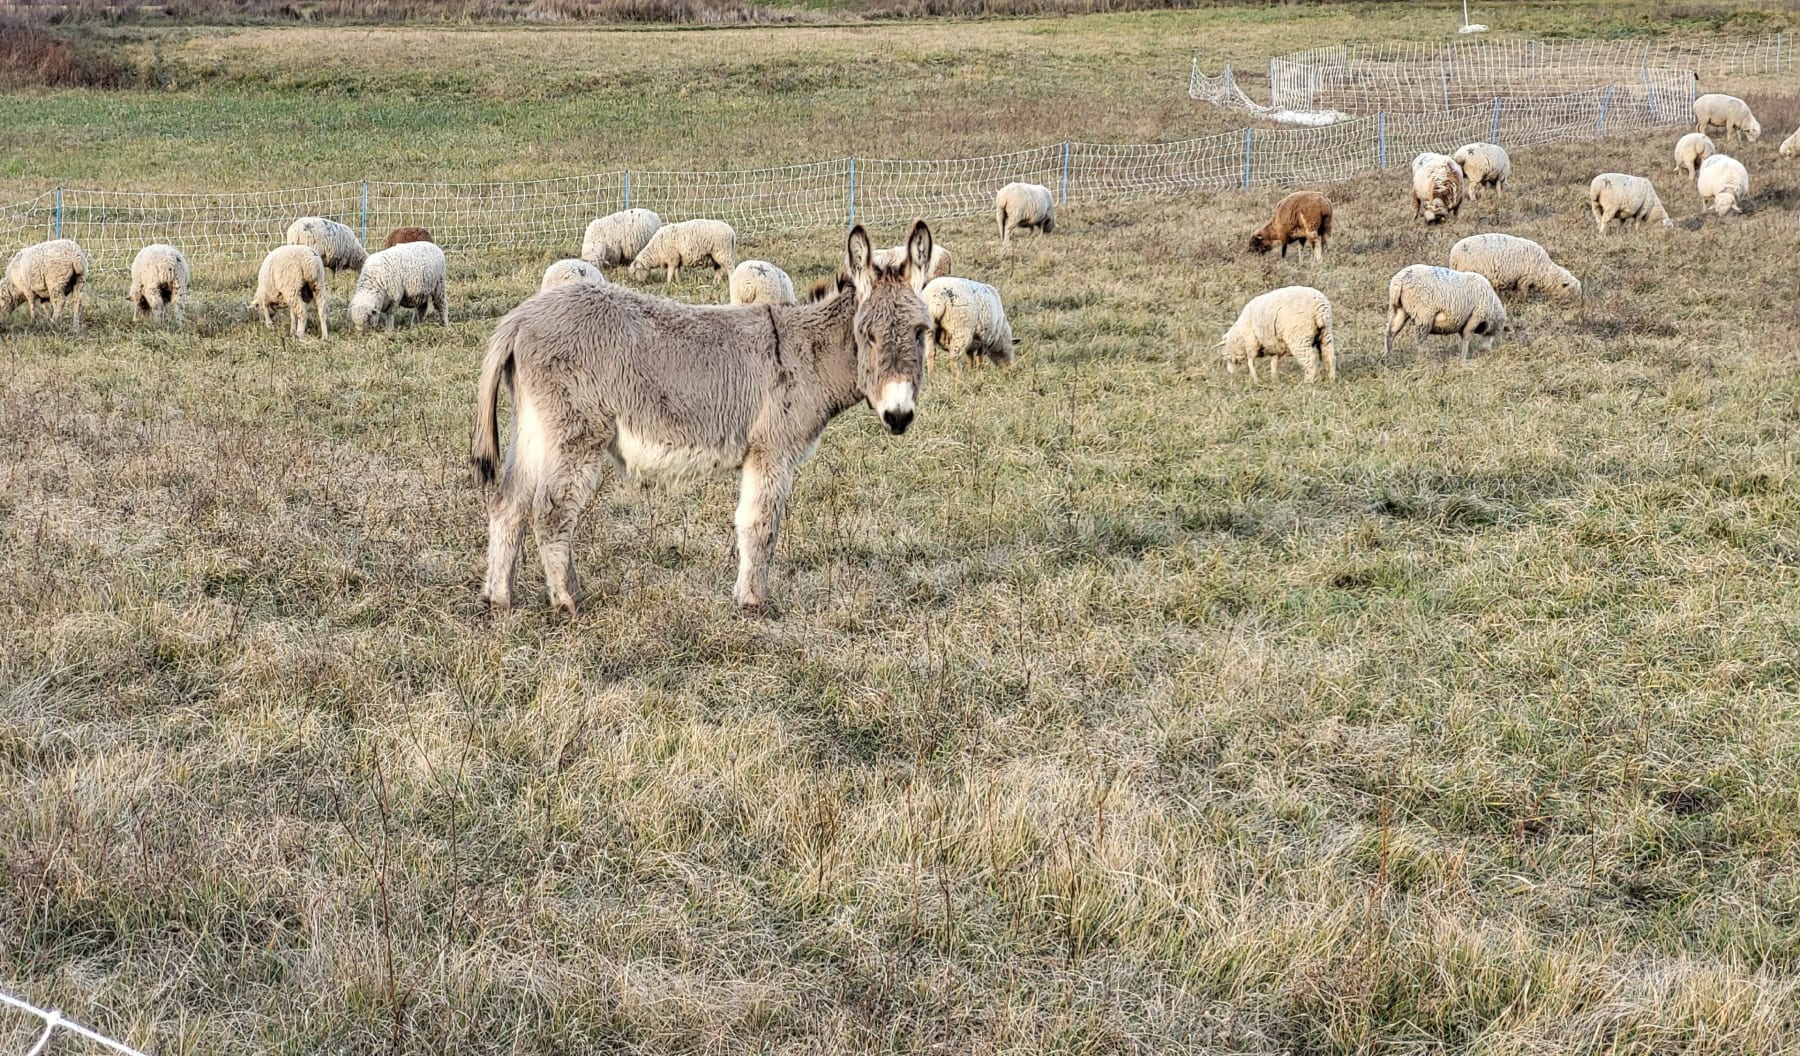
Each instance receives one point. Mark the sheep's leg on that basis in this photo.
(569, 480)
(320, 304)
(1307, 353)
(762, 499)
(443, 307)
(1328, 353)
(1250, 361)
(1274, 368)
(297, 314)
(75, 309)
(1318, 248)
(268, 319)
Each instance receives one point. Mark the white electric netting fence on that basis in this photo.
(54, 1023)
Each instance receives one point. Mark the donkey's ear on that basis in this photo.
(857, 257)
(918, 249)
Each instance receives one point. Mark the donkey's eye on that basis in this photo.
(918, 333)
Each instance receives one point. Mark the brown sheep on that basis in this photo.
(406, 234)
(1304, 217)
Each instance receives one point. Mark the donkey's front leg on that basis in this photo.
(762, 498)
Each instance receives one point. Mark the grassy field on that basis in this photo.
(1120, 706)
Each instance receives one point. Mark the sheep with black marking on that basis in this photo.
(335, 244)
(570, 270)
(941, 263)
(1728, 112)
(1723, 183)
(411, 275)
(1691, 150)
(1024, 206)
(1484, 165)
(617, 238)
(292, 277)
(967, 320)
(1292, 321)
(1439, 188)
(1509, 262)
(159, 279)
(1443, 301)
(52, 273)
(760, 282)
(1626, 198)
(686, 244)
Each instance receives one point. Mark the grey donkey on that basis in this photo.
(657, 388)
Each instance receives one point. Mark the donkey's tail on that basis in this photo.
(484, 449)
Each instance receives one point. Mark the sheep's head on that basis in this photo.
(1568, 287)
(10, 298)
(1260, 242)
(365, 310)
(1234, 350)
(1753, 130)
(1725, 203)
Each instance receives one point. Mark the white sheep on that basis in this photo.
(760, 282)
(1024, 205)
(292, 277)
(159, 279)
(1427, 157)
(1483, 165)
(570, 270)
(939, 267)
(1691, 150)
(1443, 301)
(617, 238)
(690, 242)
(1292, 321)
(1438, 188)
(967, 320)
(52, 272)
(335, 244)
(1723, 183)
(1509, 262)
(410, 275)
(1730, 113)
(1627, 198)
(1790, 147)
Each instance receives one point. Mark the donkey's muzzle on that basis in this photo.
(897, 421)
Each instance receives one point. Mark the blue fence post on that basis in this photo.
(852, 192)
(1494, 136)
(1604, 103)
(59, 212)
(1063, 196)
(1381, 137)
(365, 212)
(627, 188)
(1249, 134)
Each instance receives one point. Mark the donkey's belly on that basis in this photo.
(647, 459)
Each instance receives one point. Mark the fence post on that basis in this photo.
(1446, 73)
(1381, 135)
(1063, 194)
(852, 192)
(1604, 102)
(365, 212)
(627, 188)
(59, 212)
(1494, 137)
(1249, 134)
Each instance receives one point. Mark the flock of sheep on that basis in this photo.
(1463, 299)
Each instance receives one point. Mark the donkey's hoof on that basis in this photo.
(755, 610)
(495, 605)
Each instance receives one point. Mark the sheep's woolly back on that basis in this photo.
(1445, 300)
(335, 244)
(1723, 183)
(570, 270)
(760, 282)
(689, 242)
(44, 271)
(1291, 321)
(941, 263)
(1691, 150)
(410, 275)
(1628, 198)
(1484, 165)
(617, 238)
(968, 319)
(1024, 205)
(1728, 111)
(1439, 189)
(1299, 217)
(1426, 157)
(159, 276)
(292, 277)
(1509, 262)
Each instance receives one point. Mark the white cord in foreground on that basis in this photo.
(54, 1021)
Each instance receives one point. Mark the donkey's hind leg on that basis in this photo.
(508, 512)
(568, 483)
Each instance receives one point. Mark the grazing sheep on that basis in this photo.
(760, 282)
(399, 236)
(159, 279)
(570, 270)
(1790, 147)
(1292, 321)
(336, 244)
(967, 320)
(941, 263)
(1443, 301)
(691, 242)
(1509, 262)
(294, 277)
(1691, 150)
(1438, 189)
(52, 272)
(1723, 182)
(1483, 165)
(1303, 217)
(1024, 205)
(1629, 198)
(410, 275)
(617, 238)
(1728, 112)
(1426, 157)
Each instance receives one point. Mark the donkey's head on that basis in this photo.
(890, 325)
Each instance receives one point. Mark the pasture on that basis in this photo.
(1119, 706)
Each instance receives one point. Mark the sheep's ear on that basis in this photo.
(857, 260)
(918, 249)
